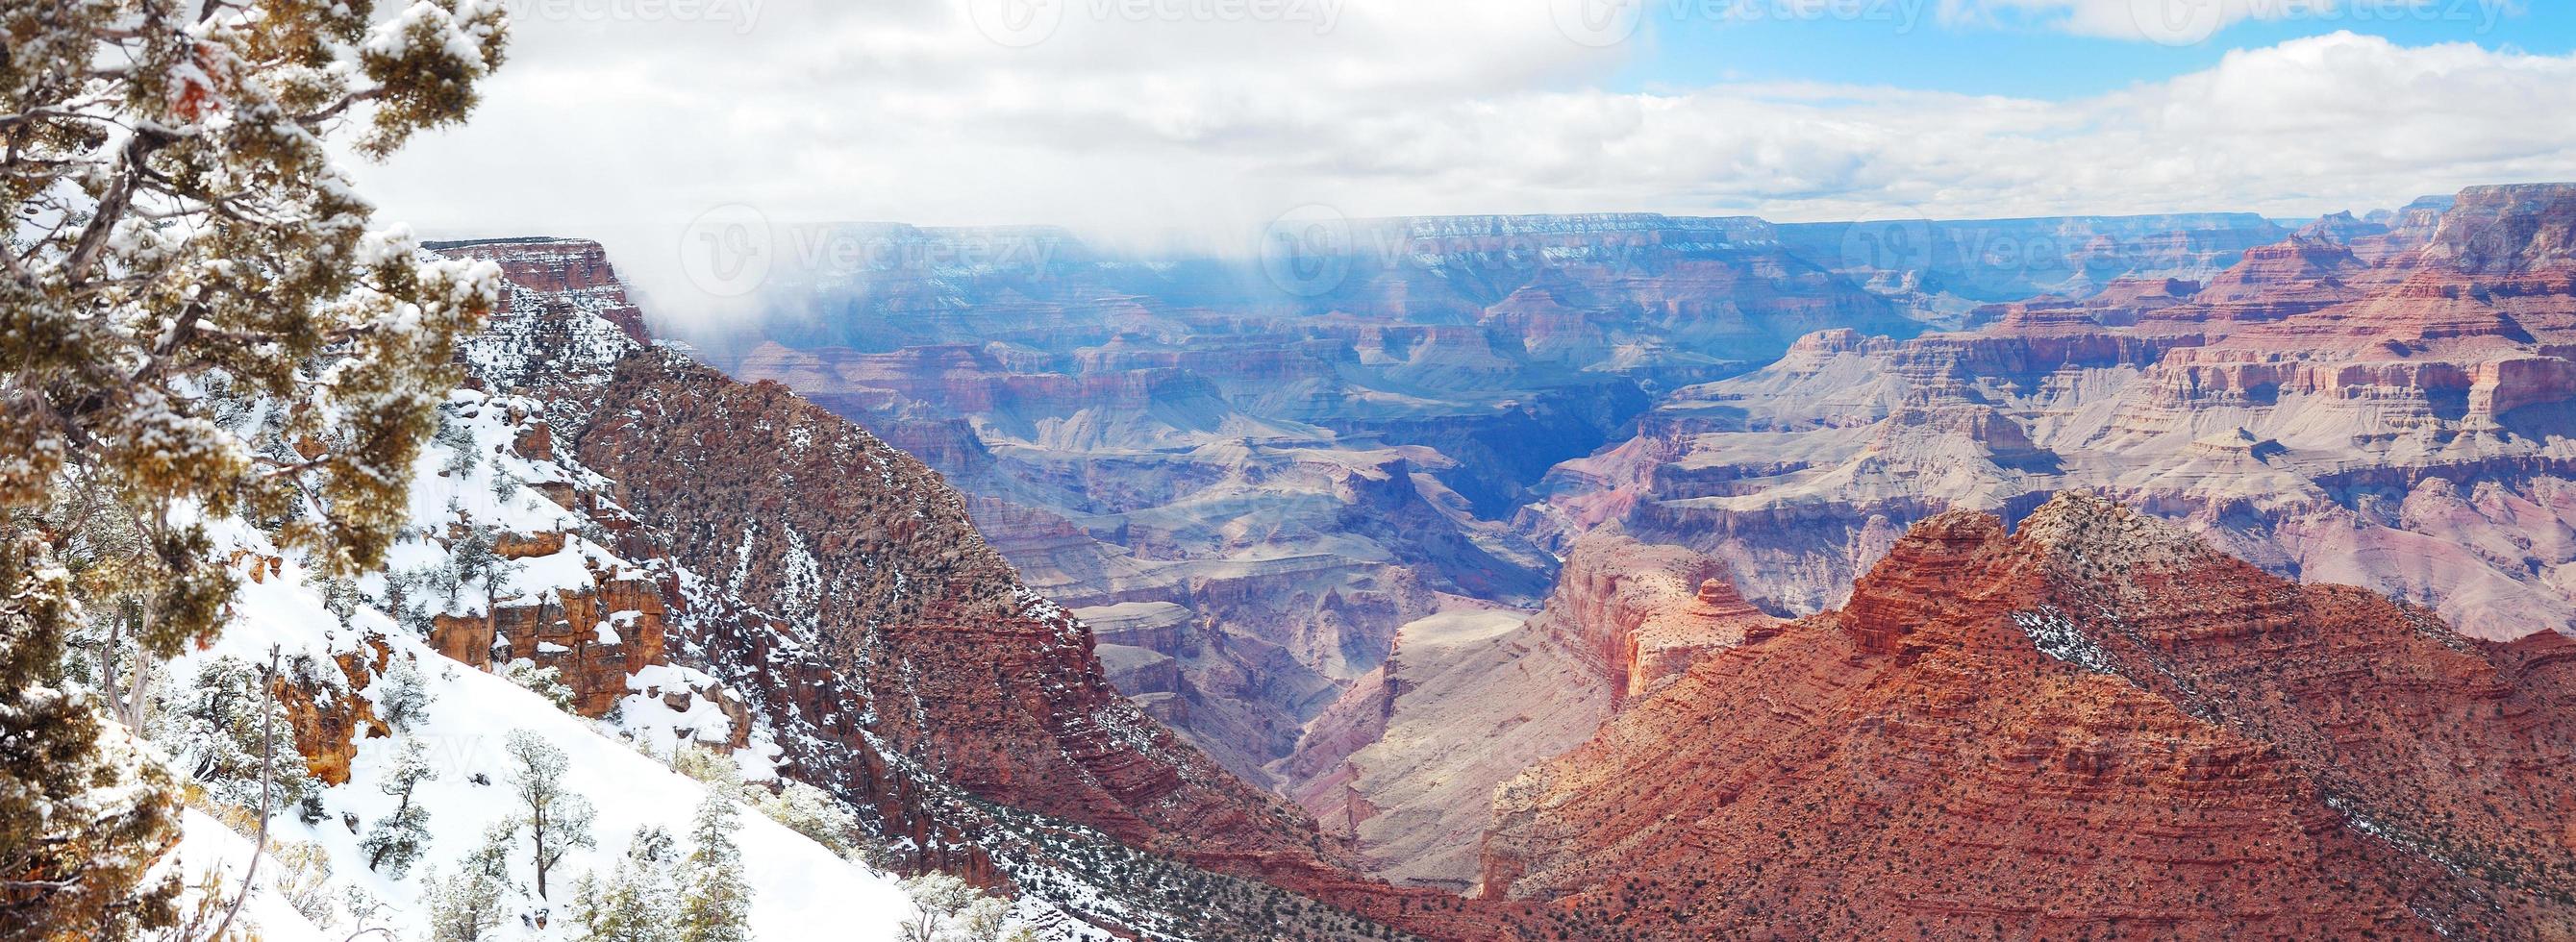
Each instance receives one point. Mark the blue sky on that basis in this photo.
(1679, 48)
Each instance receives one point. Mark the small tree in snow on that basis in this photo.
(400, 838)
(634, 904)
(715, 901)
(545, 682)
(557, 820)
(304, 879)
(458, 440)
(477, 570)
(226, 730)
(468, 903)
(813, 812)
(718, 771)
(948, 909)
(405, 698)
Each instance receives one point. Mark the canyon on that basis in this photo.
(2091, 725)
(1385, 589)
(2362, 403)
(1255, 472)
(829, 592)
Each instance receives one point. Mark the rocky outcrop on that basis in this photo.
(2094, 725)
(554, 597)
(1638, 614)
(325, 711)
(1405, 764)
(563, 313)
(594, 635)
(2286, 411)
(566, 272)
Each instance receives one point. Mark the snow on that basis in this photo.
(800, 890)
(205, 844)
(2058, 637)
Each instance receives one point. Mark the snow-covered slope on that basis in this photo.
(799, 888)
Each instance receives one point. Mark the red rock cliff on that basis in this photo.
(2093, 727)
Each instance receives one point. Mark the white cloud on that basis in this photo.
(2182, 22)
(1204, 127)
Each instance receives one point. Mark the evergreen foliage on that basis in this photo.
(556, 820)
(403, 696)
(715, 899)
(468, 903)
(196, 323)
(636, 902)
(230, 734)
(401, 837)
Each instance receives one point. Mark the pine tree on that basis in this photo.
(83, 816)
(229, 733)
(179, 240)
(813, 812)
(404, 699)
(400, 838)
(715, 901)
(635, 903)
(468, 903)
(557, 820)
(475, 564)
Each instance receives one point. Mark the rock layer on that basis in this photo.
(2093, 726)
(1405, 765)
(839, 588)
(2382, 405)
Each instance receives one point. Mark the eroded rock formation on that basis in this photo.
(1404, 766)
(2380, 404)
(2095, 725)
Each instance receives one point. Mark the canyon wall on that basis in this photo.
(2383, 405)
(2094, 725)
(841, 593)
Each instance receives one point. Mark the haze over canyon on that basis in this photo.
(1407, 522)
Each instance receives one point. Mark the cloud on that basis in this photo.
(1199, 120)
(2185, 22)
